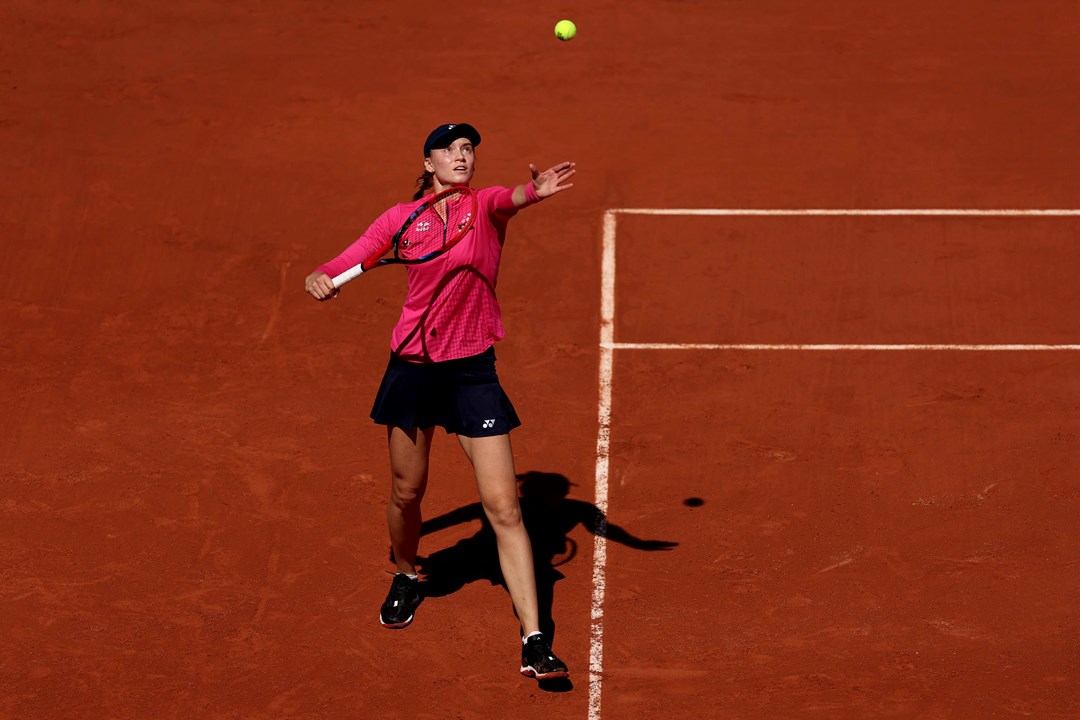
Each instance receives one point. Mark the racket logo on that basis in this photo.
(422, 226)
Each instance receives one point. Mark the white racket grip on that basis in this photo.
(348, 275)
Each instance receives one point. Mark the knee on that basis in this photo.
(405, 493)
(504, 515)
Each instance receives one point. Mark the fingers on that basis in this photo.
(564, 172)
(568, 171)
(324, 295)
(325, 289)
(554, 179)
(320, 286)
(561, 168)
(556, 170)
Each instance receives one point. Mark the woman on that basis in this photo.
(442, 373)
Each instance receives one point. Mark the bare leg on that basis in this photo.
(409, 450)
(493, 461)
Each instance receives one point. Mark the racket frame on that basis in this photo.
(378, 258)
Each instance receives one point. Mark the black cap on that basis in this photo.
(444, 135)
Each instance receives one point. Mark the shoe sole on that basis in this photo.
(396, 626)
(558, 674)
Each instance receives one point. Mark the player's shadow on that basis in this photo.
(550, 516)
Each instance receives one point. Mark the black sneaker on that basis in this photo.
(402, 600)
(539, 662)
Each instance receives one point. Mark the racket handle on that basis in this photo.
(348, 275)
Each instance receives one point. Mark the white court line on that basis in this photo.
(608, 346)
(603, 447)
(837, 348)
(817, 212)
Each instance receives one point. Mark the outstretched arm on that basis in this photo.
(617, 534)
(544, 184)
(598, 523)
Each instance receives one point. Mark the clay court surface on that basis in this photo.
(192, 519)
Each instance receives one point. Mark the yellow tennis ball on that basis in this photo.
(565, 30)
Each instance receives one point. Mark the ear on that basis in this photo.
(428, 166)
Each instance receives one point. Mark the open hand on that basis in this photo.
(553, 180)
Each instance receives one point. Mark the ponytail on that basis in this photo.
(423, 183)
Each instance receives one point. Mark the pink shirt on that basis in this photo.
(450, 310)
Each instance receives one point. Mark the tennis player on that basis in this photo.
(442, 373)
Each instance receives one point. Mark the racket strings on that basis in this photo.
(438, 225)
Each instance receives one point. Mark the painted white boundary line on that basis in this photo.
(603, 446)
(608, 346)
(811, 212)
(838, 348)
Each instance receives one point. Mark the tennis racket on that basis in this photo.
(430, 230)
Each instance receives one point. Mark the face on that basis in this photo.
(453, 165)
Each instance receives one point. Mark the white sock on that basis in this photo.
(526, 638)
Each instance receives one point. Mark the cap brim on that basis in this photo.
(447, 137)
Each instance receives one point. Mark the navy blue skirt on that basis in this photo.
(461, 396)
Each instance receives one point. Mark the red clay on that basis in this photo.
(192, 520)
